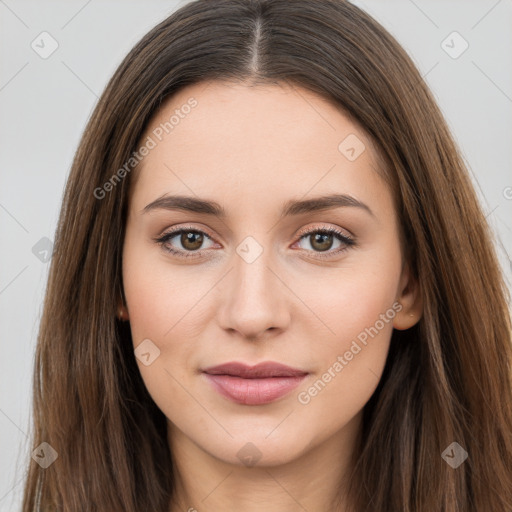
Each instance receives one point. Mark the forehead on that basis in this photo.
(276, 140)
(264, 111)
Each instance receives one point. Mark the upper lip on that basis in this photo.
(261, 370)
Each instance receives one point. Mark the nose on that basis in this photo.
(254, 298)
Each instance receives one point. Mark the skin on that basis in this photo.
(251, 149)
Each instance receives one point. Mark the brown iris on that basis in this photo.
(191, 240)
(321, 241)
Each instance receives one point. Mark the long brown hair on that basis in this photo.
(448, 379)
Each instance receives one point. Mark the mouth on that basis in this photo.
(254, 385)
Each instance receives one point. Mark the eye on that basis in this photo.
(322, 240)
(190, 239)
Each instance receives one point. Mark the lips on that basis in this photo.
(260, 371)
(254, 385)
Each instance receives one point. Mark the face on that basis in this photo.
(269, 277)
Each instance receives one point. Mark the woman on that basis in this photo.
(272, 284)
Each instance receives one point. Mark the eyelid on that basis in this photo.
(347, 239)
(166, 235)
(322, 227)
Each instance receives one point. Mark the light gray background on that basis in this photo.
(45, 103)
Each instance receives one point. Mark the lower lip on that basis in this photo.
(253, 391)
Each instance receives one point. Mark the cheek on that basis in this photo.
(350, 358)
(160, 306)
(162, 312)
(349, 364)
(357, 301)
(160, 300)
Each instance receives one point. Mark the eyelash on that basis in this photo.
(162, 241)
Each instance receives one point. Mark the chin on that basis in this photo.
(259, 449)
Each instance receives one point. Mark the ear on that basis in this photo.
(122, 312)
(411, 300)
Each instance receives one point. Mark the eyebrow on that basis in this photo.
(290, 208)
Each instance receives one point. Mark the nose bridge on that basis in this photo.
(251, 276)
(254, 298)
